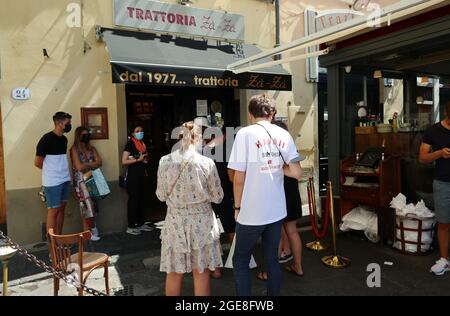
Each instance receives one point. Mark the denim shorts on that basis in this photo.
(57, 194)
(441, 196)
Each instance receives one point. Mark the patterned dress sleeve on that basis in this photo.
(214, 186)
(161, 191)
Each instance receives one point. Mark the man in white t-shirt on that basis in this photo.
(262, 154)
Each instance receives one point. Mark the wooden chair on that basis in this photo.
(89, 261)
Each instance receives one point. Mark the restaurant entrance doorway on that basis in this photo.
(159, 110)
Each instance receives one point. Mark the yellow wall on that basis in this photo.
(66, 81)
(71, 79)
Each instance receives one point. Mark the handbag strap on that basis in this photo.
(179, 175)
(284, 161)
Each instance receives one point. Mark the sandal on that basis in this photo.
(262, 276)
(216, 274)
(291, 269)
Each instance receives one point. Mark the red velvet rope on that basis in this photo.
(322, 234)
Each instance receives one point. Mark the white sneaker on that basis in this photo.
(94, 234)
(94, 231)
(133, 231)
(441, 266)
(145, 228)
(95, 237)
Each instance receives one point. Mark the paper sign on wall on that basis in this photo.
(202, 107)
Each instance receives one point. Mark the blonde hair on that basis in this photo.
(190, 133)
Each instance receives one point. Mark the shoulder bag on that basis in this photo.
(179, 175)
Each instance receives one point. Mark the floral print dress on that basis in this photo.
(88, 206)
(188, 182)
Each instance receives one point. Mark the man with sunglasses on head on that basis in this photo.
(51, 158)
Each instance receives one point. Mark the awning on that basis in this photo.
(143, 58)
(390, 14)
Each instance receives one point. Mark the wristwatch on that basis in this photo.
(236, 208)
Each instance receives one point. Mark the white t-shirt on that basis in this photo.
(254, 152)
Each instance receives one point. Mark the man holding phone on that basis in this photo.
(435, 148)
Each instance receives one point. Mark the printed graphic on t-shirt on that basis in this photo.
(269, 153)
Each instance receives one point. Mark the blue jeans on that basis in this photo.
(57, 195)
(246, 238)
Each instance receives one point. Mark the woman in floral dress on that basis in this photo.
(188, 182)
(85, 158)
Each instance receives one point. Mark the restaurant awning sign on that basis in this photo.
(198, 78)
(316, 22)
(168, 18)
(147, 59)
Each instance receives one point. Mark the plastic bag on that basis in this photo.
(229, 262)
(362, 219)
(398, 202)
(100, 181)
(219, 223)
(357, 219)
(92, 188)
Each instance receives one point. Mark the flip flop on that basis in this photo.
(261, 277)
(290, 269)
(216, 274)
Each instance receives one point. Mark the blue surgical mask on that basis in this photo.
(139, 136)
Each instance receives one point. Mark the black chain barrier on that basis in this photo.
(70, 280)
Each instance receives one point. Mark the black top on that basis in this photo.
(51, 144)
(227, 186)
(439, 137)
(138, 168)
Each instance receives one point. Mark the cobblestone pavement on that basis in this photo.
(134, 271)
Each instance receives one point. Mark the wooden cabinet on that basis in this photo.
(371, 187)
(398, 144)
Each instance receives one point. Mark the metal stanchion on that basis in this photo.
(334, 260)
(6, 253)
(316, 245)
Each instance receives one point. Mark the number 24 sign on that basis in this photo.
(21, 94)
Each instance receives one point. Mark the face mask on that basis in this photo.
(139, 136)
(67, 128)
(85, 138)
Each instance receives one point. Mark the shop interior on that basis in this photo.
(161, 109)
(385, 102)
(391, 99)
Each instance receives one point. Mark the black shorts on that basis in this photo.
(293, 200)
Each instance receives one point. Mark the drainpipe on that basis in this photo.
(277, 27)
